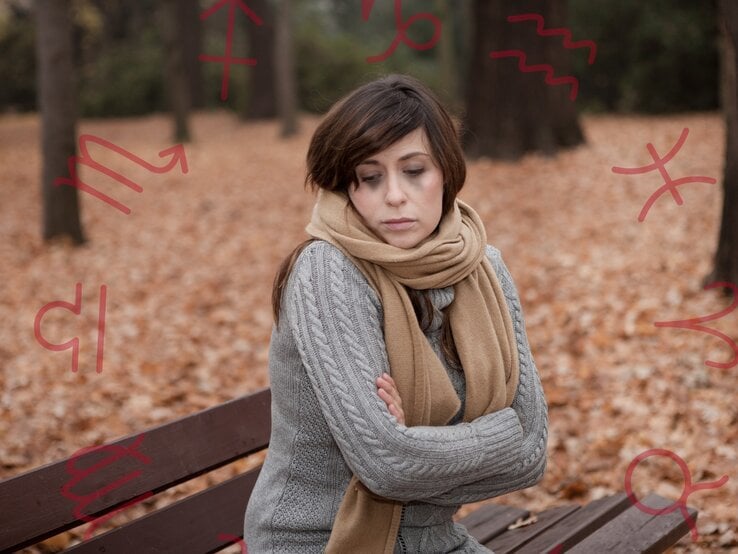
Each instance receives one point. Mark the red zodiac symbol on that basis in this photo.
(689, 488)
(176, 152)
(74, 343)
(234, 540)
(79, 474)
(573, 82)
(366, 8)
(692, 324)
(227, 59)
(659, 164)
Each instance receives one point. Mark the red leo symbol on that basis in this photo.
(366, 8)
(692, 323)
(227, 59)
(689, 488)
(74, 343)
(234, 540)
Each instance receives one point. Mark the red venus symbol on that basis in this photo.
(692, 323)
(176, 152)
(402, 27)
(659, 164)
(74, 343)
(227, 59)
(689, 488)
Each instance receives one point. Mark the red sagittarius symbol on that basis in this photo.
(227, 59)
(176, 152)
(659, 164)
(693, 323)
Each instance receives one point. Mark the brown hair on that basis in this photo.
(368, 120)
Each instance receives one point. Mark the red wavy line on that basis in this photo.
(566, 33)
(546, 68)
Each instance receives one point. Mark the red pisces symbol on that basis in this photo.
(659, 164)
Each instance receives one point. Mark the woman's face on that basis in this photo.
(400, 182)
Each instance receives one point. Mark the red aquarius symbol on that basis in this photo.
(689, 488)
(400, 36)
(234, 540)
(692, 324)
(547, 68)
(660, 165)
(176, 152)
(79, 474)
(227, 59)
(74, 343)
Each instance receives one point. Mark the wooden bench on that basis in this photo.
(40, 503)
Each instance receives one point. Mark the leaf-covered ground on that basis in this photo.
(188, 277)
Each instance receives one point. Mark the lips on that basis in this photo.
(401, 220)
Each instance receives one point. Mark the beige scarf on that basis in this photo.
(482, 330)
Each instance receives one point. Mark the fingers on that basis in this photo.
(389, 394)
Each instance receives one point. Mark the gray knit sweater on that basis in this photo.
(329, 422)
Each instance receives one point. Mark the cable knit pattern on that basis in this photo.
(329, 422)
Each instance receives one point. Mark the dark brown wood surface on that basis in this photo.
(32, 506)
(194, 524)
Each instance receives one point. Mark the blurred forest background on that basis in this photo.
(189, 269)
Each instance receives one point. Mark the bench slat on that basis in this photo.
(192, 524)
(634, 531)
(578, 525)
(491, 520)
(33, 507)
(511, 540)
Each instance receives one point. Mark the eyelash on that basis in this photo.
(372, 179)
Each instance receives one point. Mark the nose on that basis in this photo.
(395, 194)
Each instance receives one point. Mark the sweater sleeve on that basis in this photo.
(530, 405)
(336, 320)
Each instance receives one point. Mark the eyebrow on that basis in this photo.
(402, 158)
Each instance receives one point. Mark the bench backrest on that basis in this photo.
(98, 482)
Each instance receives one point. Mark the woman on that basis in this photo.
(381, 428)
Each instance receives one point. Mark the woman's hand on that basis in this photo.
(388, 392)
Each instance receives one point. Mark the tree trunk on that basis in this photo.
(446, 54)
(58, 104)
(262, 98)
(511, 112)
(177, 83)
(285, 70)
(726, 255)
(189, 22)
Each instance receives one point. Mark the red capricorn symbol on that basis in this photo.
(402, 27)
(227, 60)
(74, 343)
(234, 540)
(176, 152)
(692, 324)
(79, 474)
(659, 164)
(547, 68)
(689, 488)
